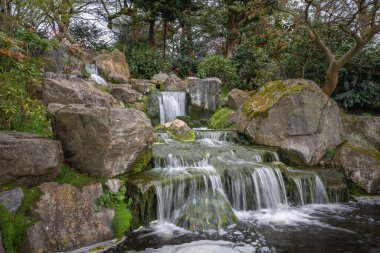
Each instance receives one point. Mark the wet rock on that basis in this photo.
(68, 218)
(204, 95)
(75, 91)
(142, 86)
(179, 130)
(365, 127)
(294, 115)
(236, 98)
(174, 83)
(114, 184)
(160, 78)
(113, 66)
(153, 107)
(361, 164)
(12, 199)
(126, 94)
(101, 141)
(28, 159)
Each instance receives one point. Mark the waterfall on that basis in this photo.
(172, 105)
(92, 70)
(310, 190)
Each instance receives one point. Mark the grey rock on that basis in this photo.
(294, 115)
(126, 94)
(114, 184)
(75, 91)
(59, 61)
(68, 219)
(366, 127)
(154, 107)
(28, 159)
(174, 83)
(161, 77)
(101, 141)
(12, 199)
(361, 164)
(236, 98)
(142, 86)
(204, 94)
(113, 66)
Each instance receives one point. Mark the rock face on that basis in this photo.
(74, 91)
(126, 94)
(101, 141)
(12, 199)
(174, 83)
(161, 77)
(113, 66)
(28, 159)
(365, 127)
(204, 95)
(236, 98)
(142, 86)
(68, 219)
(361, 164)
(154, 107)
(179, 130)
(59, 61)
(294, 115)
(114, 184)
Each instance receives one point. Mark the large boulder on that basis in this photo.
(68, 218)
(174, 83)
(141, 85)
(236, 98)
(113, 66)
(60, 61)
(365, 127)
(100, 141)
(12, 199)
(294, 115)
(125, 94)
(204, 95)
(361, 163)
(74, 91)
(28, 159)
(160, 78)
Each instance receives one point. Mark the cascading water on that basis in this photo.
(92, 70)
(172, 105)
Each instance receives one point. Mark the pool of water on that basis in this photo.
(350, 227)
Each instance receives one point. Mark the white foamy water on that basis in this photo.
(172, 105)
(92, 70)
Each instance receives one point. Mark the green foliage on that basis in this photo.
(220, 67)
(13, 227)
(88, 35)
(116, 201)
(34, 45)
(69, 176)
(218, 120)
(143, 62)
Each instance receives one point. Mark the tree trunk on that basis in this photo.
(151, 39)
(231, 34)
(165, 35)
(331, 82)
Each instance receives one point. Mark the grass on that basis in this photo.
(36, 126)
(122, 221)
(69, 176)
(13, 227)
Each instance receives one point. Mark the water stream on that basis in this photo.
(215, 195)
(92, 70)
(172, 105)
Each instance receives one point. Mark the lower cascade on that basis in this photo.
(172, 105)
(206, 183)
(92, 70)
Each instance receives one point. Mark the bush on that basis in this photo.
(220, 67)
(143, 62)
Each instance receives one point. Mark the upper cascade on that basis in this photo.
(172, 105)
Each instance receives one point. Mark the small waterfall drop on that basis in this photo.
(310, 190)
(92, 70)
(172, 105)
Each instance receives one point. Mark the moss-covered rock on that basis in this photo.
(222, 119)
(178, 130)
(294, 115)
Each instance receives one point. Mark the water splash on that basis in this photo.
(310, 190)
(92, 70)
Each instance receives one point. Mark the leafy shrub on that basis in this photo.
(220, 67)
(143, 62)
(34, 45)
(88, 35)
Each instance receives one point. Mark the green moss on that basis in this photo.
(104, 89)
(13, 227)
(367, 151)
(218, 120)
(36, 126)
(141, 162)
(260, 103)
(187, 136)
(69, 176)
(122, 220)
